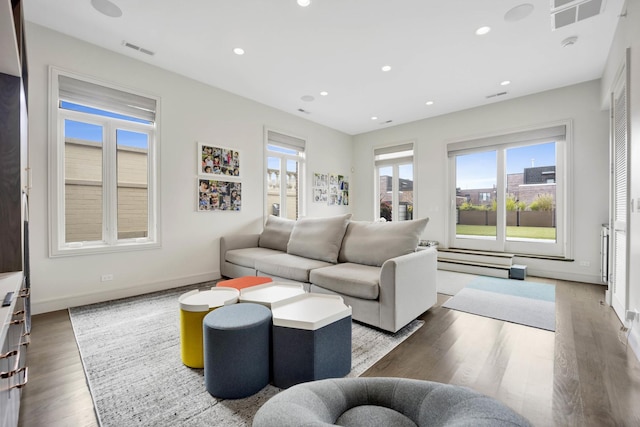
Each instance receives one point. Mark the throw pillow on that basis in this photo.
(372, 243)
(318, 238)
(276, 233)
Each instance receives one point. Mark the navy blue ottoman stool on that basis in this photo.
(236, 350)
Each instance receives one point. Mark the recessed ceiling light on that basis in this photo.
(505, 82)
(238, 51)
(518, 12)
(307, 98)
(429, 103)
(483, 30)
(386, 68)
(374, 118)
(324, 93)
(304, 3)
(107, 7)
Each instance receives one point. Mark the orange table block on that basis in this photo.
(244, 282)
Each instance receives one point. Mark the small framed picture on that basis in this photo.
(219, 195)
(218, 161)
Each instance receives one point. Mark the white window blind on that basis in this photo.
(106, 98)
(401, 153)
(620, 141)
(286, 141)
(547, 134)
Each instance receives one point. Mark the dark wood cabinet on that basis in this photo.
(13, 138)
(14, 227)
(10, 174)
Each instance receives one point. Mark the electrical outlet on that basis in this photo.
(631, 315)
(106, 277)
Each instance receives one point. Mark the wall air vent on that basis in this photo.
(495, 95)
(567, 12)
(138, 48)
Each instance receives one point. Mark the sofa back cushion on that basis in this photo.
(318, 238)
(372, 243)
(276, 233)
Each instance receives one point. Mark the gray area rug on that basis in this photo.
(130, 350)
(516, 301)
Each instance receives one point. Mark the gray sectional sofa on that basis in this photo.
(375, 267)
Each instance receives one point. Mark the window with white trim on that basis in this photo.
(103, 163)
(285, 158)
(509, 192)
(394, 182)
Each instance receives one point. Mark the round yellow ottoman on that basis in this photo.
(194, 306)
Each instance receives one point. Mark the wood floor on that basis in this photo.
(581, 375)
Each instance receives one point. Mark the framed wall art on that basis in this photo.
(218, 161)
(216, 195)
(330, 188)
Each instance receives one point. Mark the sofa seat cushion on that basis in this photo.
(247, 257)
(289, 266)
(356, 280)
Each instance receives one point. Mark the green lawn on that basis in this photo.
(547, 233)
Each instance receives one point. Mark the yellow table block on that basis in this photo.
(194, 306)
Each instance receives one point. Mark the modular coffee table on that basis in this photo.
(311, 339)
(269, 293)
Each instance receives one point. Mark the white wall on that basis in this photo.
(580, 103)
(628, 36)
(190, 112)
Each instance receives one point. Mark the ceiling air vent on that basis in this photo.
(138, 48)
(495, 95)
(567, 12)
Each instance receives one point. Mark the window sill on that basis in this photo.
(95, 249)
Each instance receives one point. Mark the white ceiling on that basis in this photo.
(339, 46)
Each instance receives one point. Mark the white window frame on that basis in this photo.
(394, 155)
(109, 243)
(563, 247)
(286, 140)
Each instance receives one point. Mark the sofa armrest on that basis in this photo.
(236, 241)
(407, 287)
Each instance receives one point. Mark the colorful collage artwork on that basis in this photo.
(219, 188)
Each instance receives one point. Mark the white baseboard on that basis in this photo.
(66, 301)
(570, 277)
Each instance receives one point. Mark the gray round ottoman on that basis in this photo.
(236, 350)
(397, 402)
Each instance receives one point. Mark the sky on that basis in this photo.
(478, 170)
(91, 132)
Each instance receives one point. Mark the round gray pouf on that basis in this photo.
(372, 401)
(236, 350)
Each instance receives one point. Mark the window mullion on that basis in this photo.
(283, 187)
(501, 196)
(395, 188)
(109, 185)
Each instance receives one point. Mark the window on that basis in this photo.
(520, 183)
(394, 182)
(285, 169)
(102, 166)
